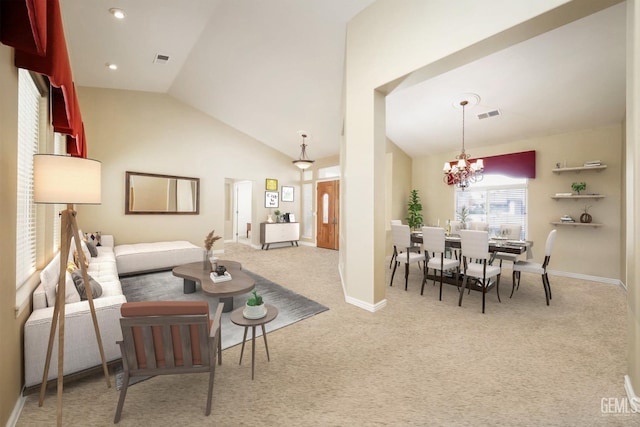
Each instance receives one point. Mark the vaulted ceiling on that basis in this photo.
(273, 68)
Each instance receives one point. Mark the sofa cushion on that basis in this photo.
(49, 279)
(70, 292)
(93, 250)
(96, 289)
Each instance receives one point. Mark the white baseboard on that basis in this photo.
(300, 242)
(17, 410)
(634, 400)
(358, 303)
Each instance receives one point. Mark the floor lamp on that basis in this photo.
(67, 180)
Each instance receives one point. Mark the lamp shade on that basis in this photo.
(66, 180)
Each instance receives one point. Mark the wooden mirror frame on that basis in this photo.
(128, 210)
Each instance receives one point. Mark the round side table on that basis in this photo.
(238, 319)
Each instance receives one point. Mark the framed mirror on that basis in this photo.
(153, 194)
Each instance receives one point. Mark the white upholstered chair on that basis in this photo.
(407, 253)
(511, 232)
(536, 268)
(456, 226)
(394, 254)
(475, 256)
(477, 225)
(434, 248)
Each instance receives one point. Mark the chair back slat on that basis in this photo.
(474, 244)
(148, 345)
(401, 236)
(551, 238)
(184, 340)
(433, 239)
(169, 356)
(511, 231)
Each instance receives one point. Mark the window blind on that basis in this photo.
(28, 137)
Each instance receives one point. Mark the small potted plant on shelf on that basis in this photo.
(277, 214)
(578, 187)
(255, 308)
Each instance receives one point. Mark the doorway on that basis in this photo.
(328, 213)
(242, 227)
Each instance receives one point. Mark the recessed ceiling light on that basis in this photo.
(117, 13)
(111, 66)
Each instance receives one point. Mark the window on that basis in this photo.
(29, 98)
(497, 199)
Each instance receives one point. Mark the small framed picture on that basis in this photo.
(287, 194)
(271, 185)
(270, 199)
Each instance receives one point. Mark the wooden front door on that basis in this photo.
(328, 213)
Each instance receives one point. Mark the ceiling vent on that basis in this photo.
(492, 113)
(161, 59)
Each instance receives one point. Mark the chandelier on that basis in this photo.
(303, 161)
(464, 172)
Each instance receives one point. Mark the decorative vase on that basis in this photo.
(586, 218)
(254, 311)
(206, 261)
(269, 219)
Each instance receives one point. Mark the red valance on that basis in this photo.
(23, 25)
(29, 24)
(515, 165)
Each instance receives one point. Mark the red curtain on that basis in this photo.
(515, 165)
(34, 28)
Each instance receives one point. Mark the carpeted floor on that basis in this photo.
(416, 362)
(164, 286)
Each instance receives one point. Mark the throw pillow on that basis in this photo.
(94, 237)
(70, 292)
(71, 267)
(96, 289)
(92, 249)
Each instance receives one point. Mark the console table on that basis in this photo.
(278, 232)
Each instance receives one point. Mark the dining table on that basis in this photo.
(496, 244)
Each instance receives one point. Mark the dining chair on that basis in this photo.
(478, 225)
(407, 253)
(510, 232)
(456, 226)
(394, 254)
(433, 244)
(475, 257)
(169, 337)
(536, 268)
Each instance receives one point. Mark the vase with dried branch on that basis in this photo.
(208, 254)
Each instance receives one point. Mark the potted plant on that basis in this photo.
(463, 214)
(255, 308)
(415, 210)
(578, 187)
(277, 214)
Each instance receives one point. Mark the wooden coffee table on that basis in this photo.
(240, 283)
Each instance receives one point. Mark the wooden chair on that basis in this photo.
(434, 248)
(475, 255)
(169, 337)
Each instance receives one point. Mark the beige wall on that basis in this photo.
(150, 132)
(398, 187)
(10, 326)
(603, 144)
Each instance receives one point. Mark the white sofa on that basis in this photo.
(81, 349)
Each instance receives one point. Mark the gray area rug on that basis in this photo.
(164, 286)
